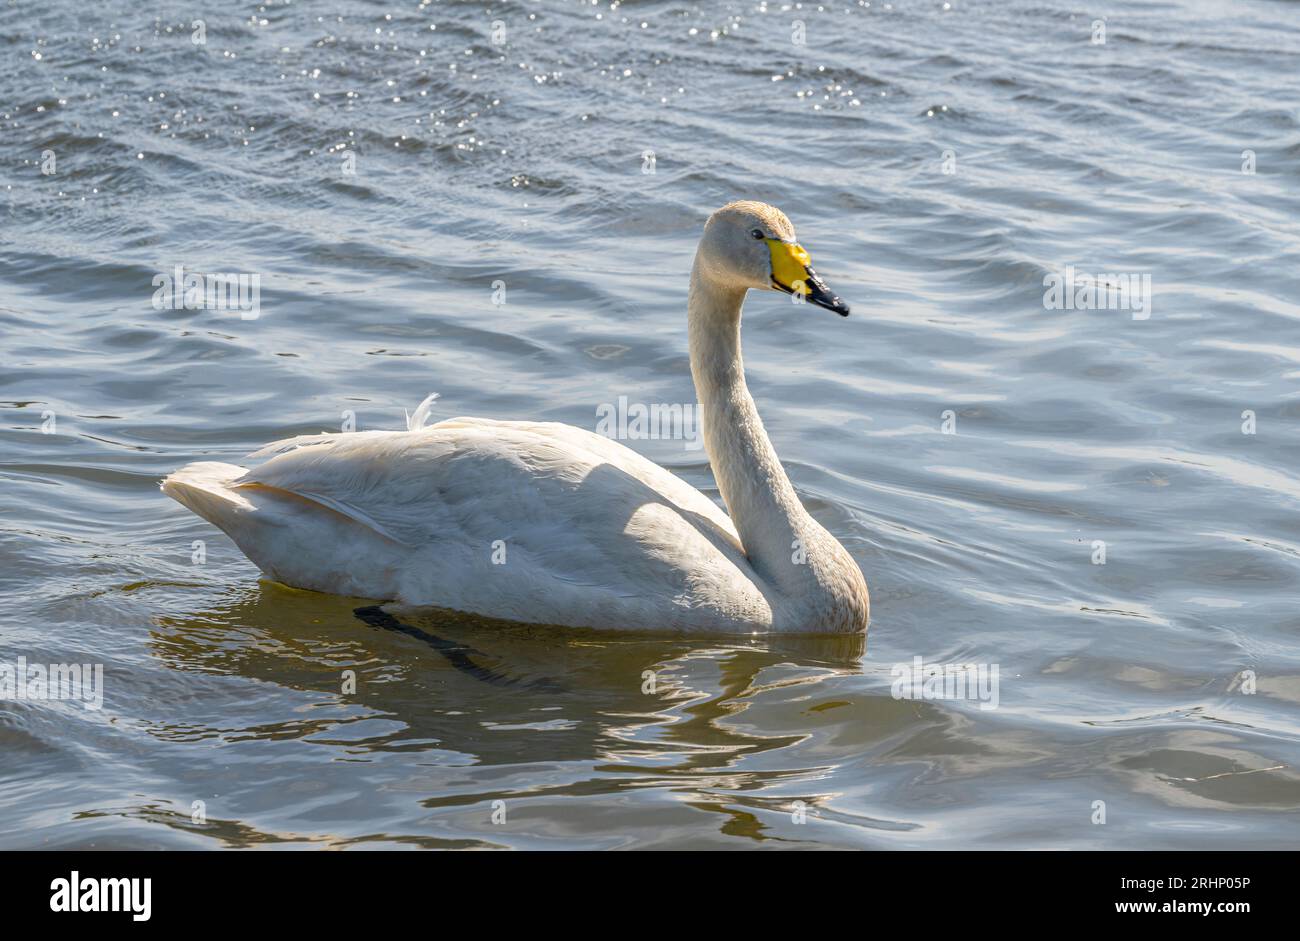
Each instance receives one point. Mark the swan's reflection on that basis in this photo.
(473, 692)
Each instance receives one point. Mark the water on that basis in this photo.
(526, 163)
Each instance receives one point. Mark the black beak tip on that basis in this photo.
(831, 302)
(818, 294)
(822, 296)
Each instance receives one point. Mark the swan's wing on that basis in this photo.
(619, 455)
(357, 474)
(594, 533)
(470, 479)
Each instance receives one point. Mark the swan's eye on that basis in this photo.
(757, 234)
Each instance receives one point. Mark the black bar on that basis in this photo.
(300, 891)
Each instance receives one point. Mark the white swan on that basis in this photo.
(545, 523)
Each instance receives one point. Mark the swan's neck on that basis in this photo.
(769, 518)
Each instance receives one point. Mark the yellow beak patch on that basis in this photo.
(790, 264)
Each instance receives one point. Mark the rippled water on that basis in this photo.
(938, 162)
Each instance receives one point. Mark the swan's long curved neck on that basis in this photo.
(768, 515)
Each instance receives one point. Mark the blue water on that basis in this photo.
(386, 180)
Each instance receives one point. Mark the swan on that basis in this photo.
(544, 523)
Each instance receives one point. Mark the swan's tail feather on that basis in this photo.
(295, 538)
(205, 489)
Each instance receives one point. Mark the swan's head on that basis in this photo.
(752, 245)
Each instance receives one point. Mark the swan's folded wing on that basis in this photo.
(601, 448)
(473, 479)
(381, 479)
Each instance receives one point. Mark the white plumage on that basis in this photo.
(546, 523)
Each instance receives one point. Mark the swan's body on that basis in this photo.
(546, 523)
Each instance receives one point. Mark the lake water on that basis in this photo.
(390, 183)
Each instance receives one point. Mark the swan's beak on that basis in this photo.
(793, 273)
